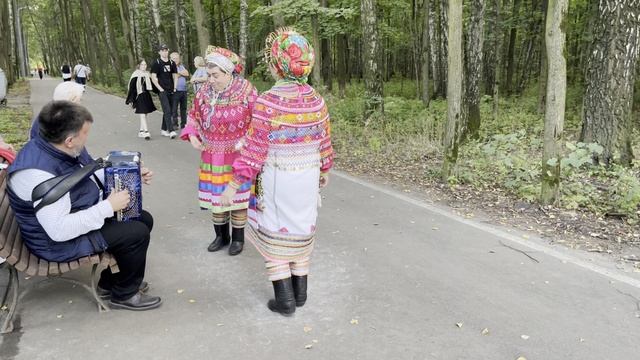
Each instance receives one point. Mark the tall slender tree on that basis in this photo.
(373, 101)
(201, 20)
(244, 6)
(473, 68)
(454, 89)
(610, 78)
(425, 63)
(556, 94)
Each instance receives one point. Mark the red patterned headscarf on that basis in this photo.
(235, 59)
(290, 53)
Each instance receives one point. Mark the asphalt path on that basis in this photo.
(393, 277)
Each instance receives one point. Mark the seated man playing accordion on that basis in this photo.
(80, 222)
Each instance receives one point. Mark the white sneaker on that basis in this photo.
(172, 135)
(164, 133)
(147, 136)
(141, 134)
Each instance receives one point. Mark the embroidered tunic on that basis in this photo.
(289, 144)
(220, 121)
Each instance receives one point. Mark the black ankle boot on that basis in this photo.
(300, 289)
(285, 302)
(237, 241)
(222, 237)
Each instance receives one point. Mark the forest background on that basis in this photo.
(459, 99)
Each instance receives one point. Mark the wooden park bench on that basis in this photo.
(18, 258)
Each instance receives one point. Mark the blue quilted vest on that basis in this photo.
(39, 154)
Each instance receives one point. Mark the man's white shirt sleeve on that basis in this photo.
(56, 218)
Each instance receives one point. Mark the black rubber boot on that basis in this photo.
(285, 302)
(222, 237)
(300, 289)
(237, 241)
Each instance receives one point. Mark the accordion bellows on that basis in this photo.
(123, 172)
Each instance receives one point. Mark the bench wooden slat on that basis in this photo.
(53, 268)
(105, 258)
(23, 263)
(4, 203)
(64, 267)
(5, 237)
(32, 270)
(43, 267)
(84, 261)
(74, 264)
(94, 259)
(17, 244)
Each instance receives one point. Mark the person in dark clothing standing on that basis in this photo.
(66, 72)
(80, 223)
(164, 75)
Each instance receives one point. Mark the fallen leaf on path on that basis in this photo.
(435, 228)
(306, 329)
(192, 301)
(521, 358)
(59, 316)
(180, 291)
(459, 324)
(308, 346)
(485, 331)
(524, 337)
(354, 321)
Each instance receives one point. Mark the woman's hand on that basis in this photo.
(195, 142)
(324, 180)
(147, 175)
(227, 195)
(119, 200)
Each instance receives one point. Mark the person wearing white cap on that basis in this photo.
(216, 125)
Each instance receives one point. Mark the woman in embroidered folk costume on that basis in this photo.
(140, 98)
(216, 125)
(288, 146)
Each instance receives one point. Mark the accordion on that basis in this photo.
(122, 171)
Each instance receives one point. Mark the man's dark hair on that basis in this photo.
(59, 119)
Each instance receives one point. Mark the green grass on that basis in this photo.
(15, 120)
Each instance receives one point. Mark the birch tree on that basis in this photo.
(373, 102)
(454, 89)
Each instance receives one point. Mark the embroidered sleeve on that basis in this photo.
(256, 146)
(326, 149)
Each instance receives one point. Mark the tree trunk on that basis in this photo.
(342, 63)
(6, 59)
(454, 89)
(425, 63)
(556, 93)
(126, 31)
(473, 70)
(155, 11)
(92, 43)
(111, 42)
(443, 88)
(327, 62)
(542, 83)
(498, 75)
(512, 47)
(316, 73)
(134, 14)
(373, 101)
(434, 48)
(243, 31)
(180, 28)
(202, 28)
(278, 18)
(610, 77)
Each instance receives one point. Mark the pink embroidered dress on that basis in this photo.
(289, 145)
(220, 121)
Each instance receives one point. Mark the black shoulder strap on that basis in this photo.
(53, 189)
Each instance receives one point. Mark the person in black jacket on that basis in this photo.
(140, 98)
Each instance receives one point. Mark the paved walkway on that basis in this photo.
(392, 278)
